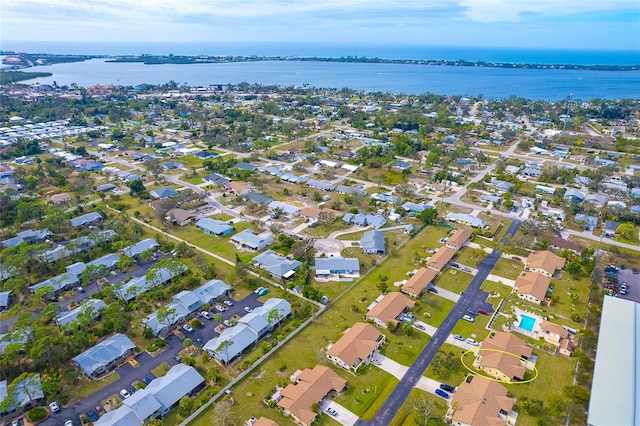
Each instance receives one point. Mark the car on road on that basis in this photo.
(442, 393)
(623, 292)
(206, 315)
(472, 342)
(92, 416)
(635, 271)
(228, 302)
(458, 337)
(187, 327)
(432, 289)
(469, 318)
(331, 411)
(248, 309)
(200, 341)
(146, 380)
(124, 393)
(447, 388)
(258, 290)
(80, 289)
(54, 407)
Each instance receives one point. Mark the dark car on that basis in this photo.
(100, 410)
(483, 312)
(635, 271)
(146, 380)
(473, 312)
(432, 289)
(92, 416)
(442, 393)
(200, 341)
(447, 388)
(133, 390)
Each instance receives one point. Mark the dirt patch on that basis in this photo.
(328, 246)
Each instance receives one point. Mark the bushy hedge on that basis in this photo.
(37, 414)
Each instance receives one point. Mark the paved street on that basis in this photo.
(473, 297)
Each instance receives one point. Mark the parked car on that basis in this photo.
(263, 291)
(458, 337)
(80, 289)
(228, 302)
(54, 407)
(177, 358)
(432, 289)
(469, 318)
(248, 309)
(200, 341)
(472, 342)
(635, 271)
(124, 393)
(483, 312)
(331, 411)
(442, 393)
(220, 308)
(227, 323)
(146, 380)
(100, 410)
(623, 292)
(442, 240)
(133, 390)
(516, 258)
(473, 312)
(376, 361)
(187, 327)
(258, 290)
(92, 416)
(68, 423)
(419, 327)
(447, 388)
(206, 315)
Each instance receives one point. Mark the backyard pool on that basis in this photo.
(527, 322)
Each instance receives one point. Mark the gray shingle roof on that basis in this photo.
(104, 353)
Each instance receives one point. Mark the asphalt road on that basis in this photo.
(474, 298)
(128, 374)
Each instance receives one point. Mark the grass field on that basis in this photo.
(454, 280)
(470, 256)
(409, 416)
(506, 268)
(88, 387)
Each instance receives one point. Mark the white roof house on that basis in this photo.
(140, 247)
(240, 337)
(104, 355)
(90, 307)
(616, 364)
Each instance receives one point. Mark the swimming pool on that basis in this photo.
(527, 322)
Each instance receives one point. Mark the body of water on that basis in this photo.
(547, 84)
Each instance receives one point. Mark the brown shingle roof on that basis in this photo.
(356, 344)
(533, 283)
(391, 305)
(419, 281)
(263, 421)
(508, 363)
(480, 401)
(459, 238)
(554, 328)
(545, 260)
(565, 244)
(441, 258)
(313, 385)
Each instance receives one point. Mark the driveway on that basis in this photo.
(329, 246)
(428, 385)
(443, 292)
(462, 345)
(390, 366)
(472, 298)
(344, 417)
(426, 328)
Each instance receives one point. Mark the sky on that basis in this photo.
(583, 24)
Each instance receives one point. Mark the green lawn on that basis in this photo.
(477, 328)
(435, 310)
(404, 349)
(454, 280)
(451, 376)
(470, 256)
(88, 387)
(408, 416)
(366, 399)
(506, 268)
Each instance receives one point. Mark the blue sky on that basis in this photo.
(588, 24)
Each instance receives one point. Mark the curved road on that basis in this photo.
(474, 298)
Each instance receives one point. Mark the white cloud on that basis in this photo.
(516, 10)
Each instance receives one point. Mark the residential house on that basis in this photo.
(373, 242)
(412, 207)
(231, 343)
(332, 268)
(181, 380)
(549, 190)
(596, 200)
(441, 258)
(401, 165)
(610, 229)
(419, 282)
(154, 278)
(247, 239)
(91, 308)
(342, 189)
(138, 409)
(214, 226)
(77, 245)
(311, 387)
(29, 236)
(458, 239)
(182, 306)
(237, 188)
(180, 216)
(532, 287)
(479, 401)
(356, 347)
(574, 195)
(562, 244)
(5, 300)
(245, 166)
(544, 262)
(60, 199)
(277, 266)
(388, 307)
(258, 198)
(216, 179)
(105, 187)
(211, 291)
(385, 198)
(590, 222)
(285, 208)
(86, 219)
(16, 398)
(104, 356)
(170, 165)
(163, 193)
(65, 281)
(466, 219)
(134, 251)
(503, 356)
(321, 184)
(553, 333)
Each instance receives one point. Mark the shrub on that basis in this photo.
(160, 343)
(37, 414)
(147, 333)
(196, 323)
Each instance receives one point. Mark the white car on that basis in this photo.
(469, 318)
(54, 407)
(124, 393)
(68, 423)
(472, 342)
(248, 309)
(206, 315)
(187, 327)
(258, 290)
(228, 302)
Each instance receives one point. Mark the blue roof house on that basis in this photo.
(104, 356)
(214, 226)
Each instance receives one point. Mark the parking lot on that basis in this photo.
(633, 284)
(130, 374)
